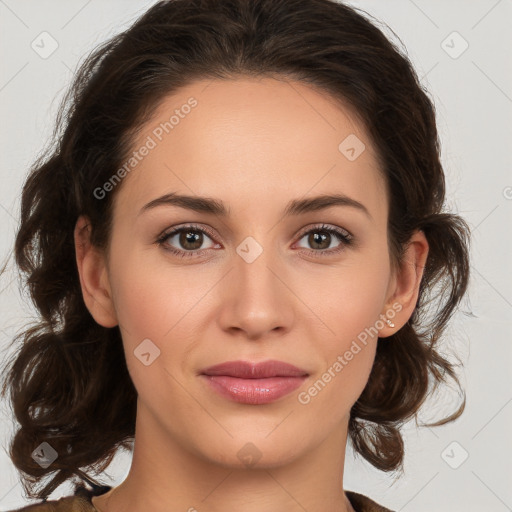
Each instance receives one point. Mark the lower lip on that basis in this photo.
(254, 391)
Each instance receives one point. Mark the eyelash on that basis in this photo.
(342, 235)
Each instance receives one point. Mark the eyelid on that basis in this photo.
(344, 236)
(211, 234)
(183, 227)
(322, 226)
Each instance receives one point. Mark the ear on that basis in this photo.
(92, 268)
(405, 285)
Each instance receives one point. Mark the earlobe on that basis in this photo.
(403, 299)
(93, 274)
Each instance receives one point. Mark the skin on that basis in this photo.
(254, 144)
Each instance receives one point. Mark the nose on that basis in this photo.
(256, 300)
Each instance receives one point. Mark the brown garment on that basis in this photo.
(81, 502)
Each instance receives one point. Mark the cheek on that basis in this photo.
(166, 305)
(348, 303)
(347, 357)
(155, 298)
(156, 304)
(151, 295)
(346, 299)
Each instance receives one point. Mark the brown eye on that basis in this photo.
(185, 241)
(191, 240)
(321, 239)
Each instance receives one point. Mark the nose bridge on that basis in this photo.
(257, 301)
(253, 262)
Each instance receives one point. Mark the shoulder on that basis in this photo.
(79, 502)
(67, 504)
(362, 503)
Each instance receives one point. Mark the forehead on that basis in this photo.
(249, 140)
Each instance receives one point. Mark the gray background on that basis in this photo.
(472, 91)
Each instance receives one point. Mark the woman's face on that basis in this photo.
(264, 280)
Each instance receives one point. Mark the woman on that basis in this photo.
(233, 247)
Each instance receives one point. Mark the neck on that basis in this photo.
(167, 476)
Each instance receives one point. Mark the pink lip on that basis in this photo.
(250, 383)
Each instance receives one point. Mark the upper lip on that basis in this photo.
(248, 370)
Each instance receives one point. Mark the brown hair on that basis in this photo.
(67, 364)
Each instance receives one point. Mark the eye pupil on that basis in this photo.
(196, 237)
(315, 238)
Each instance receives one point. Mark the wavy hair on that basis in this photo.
(66, 365)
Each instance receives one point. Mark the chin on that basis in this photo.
(254, 452)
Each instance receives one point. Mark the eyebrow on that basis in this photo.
(216, 207)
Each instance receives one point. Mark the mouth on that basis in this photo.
(248, 370)
(254, 383)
